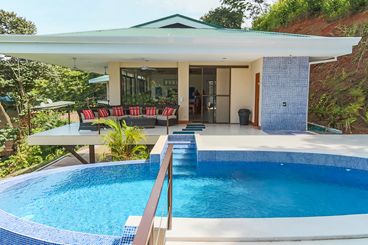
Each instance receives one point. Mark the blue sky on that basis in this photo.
(58, 16)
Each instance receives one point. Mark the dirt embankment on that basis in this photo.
(338, 90)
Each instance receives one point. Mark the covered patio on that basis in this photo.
(176, 56)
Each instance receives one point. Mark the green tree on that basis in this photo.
(251, 9)
(69, 85)
(10, 23)
(225, 17)
(123, 141)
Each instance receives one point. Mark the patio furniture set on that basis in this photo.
(147, 116)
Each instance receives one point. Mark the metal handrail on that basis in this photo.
(145, 232)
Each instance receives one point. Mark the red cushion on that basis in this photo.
(88, 114)
(150, 111)
(103, 112)
(118, 111)
(168, 111)
(135, 111)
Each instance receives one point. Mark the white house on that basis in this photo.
(265, 72)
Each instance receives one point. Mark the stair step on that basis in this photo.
(184, 150)
(196, 127)
(181, 137)
(184, 170)
(185, 162)
(196, 124)
(187, 146)
(183, 132)
(192, 129)
(185, 156)
(181, 143)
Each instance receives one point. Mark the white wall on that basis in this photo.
(241, 92)
(256, 67)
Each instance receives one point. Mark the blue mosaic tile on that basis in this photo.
(155, 158)
(284, 157)
(223, 156)
(206, 156)
(128, 235)
(285, 79)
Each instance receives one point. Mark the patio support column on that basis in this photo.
(114, 83)
(92, 154)
(183, 91)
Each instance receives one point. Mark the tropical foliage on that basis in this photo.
(285, 11)
(123, 141)
(27, 155)
(28, 83)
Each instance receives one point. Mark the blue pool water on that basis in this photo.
(99, 200)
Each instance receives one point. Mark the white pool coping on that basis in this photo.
(264, 229)
(345, 145)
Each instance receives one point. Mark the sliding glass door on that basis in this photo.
(209, 93)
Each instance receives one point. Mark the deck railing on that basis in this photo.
(145, 232)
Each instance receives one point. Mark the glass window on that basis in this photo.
(148, 87)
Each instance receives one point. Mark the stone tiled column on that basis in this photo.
(285, 90)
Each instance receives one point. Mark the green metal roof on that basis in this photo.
(180, 32)
(177, 15)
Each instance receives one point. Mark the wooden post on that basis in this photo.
(167, 122)
(92, 154)
(69, 117)
(81, 159)
(29, 121)
(169, 195)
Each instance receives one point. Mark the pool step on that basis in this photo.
(185, 150)
(181, 137)
(192, 146)
(186, 156)
(181, 143)
(184, 170)
(185, 162)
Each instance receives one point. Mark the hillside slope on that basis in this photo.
(338, 90)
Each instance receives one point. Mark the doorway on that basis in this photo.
(209, 95)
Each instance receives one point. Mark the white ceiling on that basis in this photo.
(94, 53)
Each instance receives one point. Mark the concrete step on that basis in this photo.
(192, 129)
(183, 132)
(275, 230)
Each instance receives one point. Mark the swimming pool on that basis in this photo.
(99, 200)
